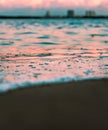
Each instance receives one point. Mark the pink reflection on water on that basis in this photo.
(44, 53)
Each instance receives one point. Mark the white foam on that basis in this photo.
(4, 87)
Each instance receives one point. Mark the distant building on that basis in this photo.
(48, 14)
(70, 13)
(90, 13)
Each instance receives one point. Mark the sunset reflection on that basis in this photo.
(58, 51)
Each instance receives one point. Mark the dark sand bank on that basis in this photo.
(68, 106)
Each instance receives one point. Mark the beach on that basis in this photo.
(54, 74)
(72, 105)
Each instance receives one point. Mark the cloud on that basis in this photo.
(33, 7)
(52, 3)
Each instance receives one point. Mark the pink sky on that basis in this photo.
(52, 3)
(32, 7)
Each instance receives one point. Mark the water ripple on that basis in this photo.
(39, 51)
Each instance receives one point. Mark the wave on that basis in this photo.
(5, 87)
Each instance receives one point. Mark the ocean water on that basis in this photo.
(45, 51)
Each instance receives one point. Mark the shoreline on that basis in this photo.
(26, 85)
(53, 17)
(72, 105)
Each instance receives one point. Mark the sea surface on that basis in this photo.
(34, 51)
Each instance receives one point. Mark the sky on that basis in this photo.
(39, 7)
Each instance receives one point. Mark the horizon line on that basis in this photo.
(49, 17)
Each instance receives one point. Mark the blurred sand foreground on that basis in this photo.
(74, 106)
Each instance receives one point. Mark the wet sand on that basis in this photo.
(74, 106)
